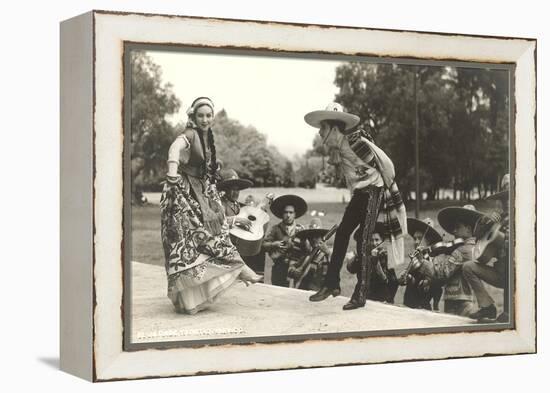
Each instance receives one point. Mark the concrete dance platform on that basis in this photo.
(262, 310)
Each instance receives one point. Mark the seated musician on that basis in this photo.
(497, 274)
(447, 269)
(316, 265)
(383, 281)
(231, 185)
(421, 289)
(279, 242)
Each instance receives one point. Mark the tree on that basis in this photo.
(151, 133)
(245, 149)
(463, 117)
(381, 94)
(289, 178)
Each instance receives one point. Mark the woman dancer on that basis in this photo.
(201, 263)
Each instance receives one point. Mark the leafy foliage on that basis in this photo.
(463, 121)
(462, 114)
(245, 150)
(151, 133)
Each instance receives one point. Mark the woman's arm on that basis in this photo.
(230, 220)
(180, 144)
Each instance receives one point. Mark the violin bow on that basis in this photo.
(425, 233)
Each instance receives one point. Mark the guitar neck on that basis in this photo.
(409, 267)
(327, 236)
(330, 233)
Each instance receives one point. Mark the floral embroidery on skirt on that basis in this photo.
(199, 265)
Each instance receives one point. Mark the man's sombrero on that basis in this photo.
(449, 216)
(379, 227)
(424, 227)
(504, 192)
(333, 111)
(279, 204)
(230, 179)
(314, 230)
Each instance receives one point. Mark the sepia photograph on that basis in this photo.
(279, 196)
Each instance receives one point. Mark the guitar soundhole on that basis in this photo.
(252, 218)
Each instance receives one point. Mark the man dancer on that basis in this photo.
(280, 242)
(369, 175)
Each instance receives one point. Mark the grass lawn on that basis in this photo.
(147, 246)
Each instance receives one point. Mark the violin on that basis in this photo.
(376, 252)
(420, 253)
(379, 251)
(438, 248)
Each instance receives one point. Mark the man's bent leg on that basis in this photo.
(475, 273)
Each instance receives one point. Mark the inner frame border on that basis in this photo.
(129, 46)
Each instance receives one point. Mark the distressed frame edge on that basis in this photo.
(525, 117)
(527, 338)
(303, 24)
(76, 210)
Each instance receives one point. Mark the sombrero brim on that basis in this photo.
(240, 184)
(278, 205)
(315, 118)
(309, 233)
(414, 225)
(448, 216)
(378, 228)
(499, 195)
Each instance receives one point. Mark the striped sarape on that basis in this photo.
(392, 207)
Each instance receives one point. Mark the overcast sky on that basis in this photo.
(270, 93)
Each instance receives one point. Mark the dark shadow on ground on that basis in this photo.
(52, 362)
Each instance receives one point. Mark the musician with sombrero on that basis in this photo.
(280, 242)
(460, 222)
(370, 177)
(496, 274)
(420, 289)
(309, 272)
(230, 185)
(383, 280)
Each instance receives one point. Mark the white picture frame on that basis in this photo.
(92, 205)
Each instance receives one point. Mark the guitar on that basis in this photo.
(305, 266)
(249, 242)
(291, 249)
(487, 247)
